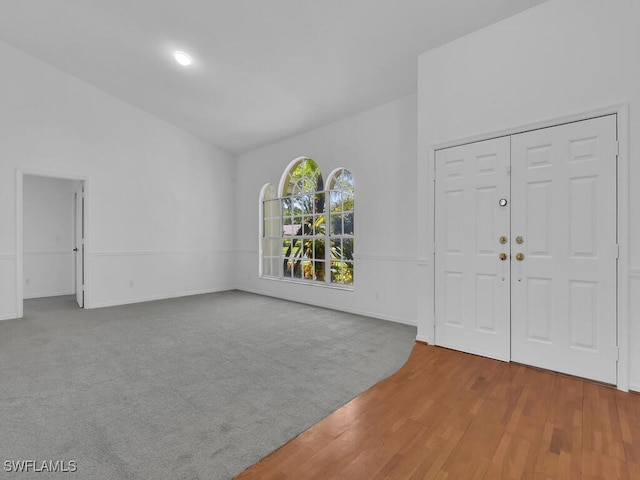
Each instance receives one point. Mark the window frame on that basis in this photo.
(269, 194)
(344, 237)
(305, 267)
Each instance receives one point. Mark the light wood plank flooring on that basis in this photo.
(451, 415)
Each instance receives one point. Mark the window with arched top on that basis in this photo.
(307, 232)
(301, 178)
(341, 200)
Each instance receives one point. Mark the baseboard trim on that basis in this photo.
(8, 316)
(48, 252)
(154, 298)
(422, 339)
(634, 388)
(354, 311)
(46, 295)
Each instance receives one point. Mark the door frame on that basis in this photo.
(79, 231)
(20, 174)
(623, 211)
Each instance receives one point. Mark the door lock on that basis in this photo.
(519, 256)
(503, 256)
(503, 239)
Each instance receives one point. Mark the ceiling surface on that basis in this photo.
(263, 69)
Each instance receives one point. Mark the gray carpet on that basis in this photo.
(192, 388)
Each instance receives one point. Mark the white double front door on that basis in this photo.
(526, 248)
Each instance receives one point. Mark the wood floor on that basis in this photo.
(450, 415)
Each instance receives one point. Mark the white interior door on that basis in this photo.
(564, 208)
(552, 303)
(79, 245)
(472, 282)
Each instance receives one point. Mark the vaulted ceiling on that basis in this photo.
(263, 70)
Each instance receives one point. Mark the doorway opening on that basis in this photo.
(51, 237)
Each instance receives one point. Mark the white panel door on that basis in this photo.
(472, 282)
(563, 297)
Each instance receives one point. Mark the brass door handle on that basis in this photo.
(503, 256)
(519, 256)
(503, 240)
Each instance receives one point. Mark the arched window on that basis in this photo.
(299, 225)
(303, 177)
(341, 216)
(303, 222)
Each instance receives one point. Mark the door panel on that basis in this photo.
(472, 297)
(564, 290)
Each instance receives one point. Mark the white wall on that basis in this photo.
(561, 58)
(379, 148)
(159, 214)
(48, 236)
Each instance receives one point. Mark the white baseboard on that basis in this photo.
(8, 316)
(634, 387)
(153, 298)
(355, 311)
(421, 338)
(46, 295)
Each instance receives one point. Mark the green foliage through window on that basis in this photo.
(297, 221)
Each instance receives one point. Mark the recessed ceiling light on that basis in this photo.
(182, 58)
